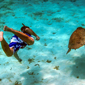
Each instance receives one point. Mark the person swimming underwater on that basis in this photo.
(19, 40)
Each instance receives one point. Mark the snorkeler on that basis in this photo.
(19, 40)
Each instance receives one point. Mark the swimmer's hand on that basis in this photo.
(37, 37)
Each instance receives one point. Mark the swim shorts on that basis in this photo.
(17, 43)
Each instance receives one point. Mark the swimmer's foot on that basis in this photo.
(1, 36)
(20, 60)
(6, 28)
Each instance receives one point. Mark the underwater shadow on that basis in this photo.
(32, 76)
(78, 70)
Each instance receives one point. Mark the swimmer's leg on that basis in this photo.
(23, 36)
(1, 36)
(29, 31)
(17, 57)
(8, 51)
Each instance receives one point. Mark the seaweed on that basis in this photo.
(0, 79)
(58, 19)
(1, 0)
(38, 14)
(48, 61)
(30, 60)
(18, 83)
(73, 0)
(56, 67)
(45, 44)
(45, 0)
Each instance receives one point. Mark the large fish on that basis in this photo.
(77, 39)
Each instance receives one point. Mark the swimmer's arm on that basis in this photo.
(17, 57)
(31, 32)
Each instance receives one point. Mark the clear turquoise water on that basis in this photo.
(45, 62)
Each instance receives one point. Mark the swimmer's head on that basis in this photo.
(23, 28)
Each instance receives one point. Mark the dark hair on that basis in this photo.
(23, 27)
